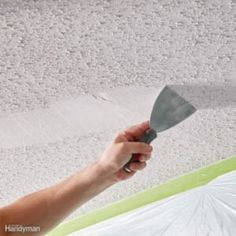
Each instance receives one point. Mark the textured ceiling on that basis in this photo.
(73, 73)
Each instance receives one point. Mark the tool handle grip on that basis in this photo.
(148, 136)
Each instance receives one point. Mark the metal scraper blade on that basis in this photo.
(169, 109)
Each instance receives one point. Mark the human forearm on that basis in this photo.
(78, 189)
(48, 207)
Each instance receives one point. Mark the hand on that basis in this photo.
(121, 150)
(48, 207)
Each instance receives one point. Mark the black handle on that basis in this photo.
(148, 136)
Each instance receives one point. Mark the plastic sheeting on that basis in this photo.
(209, 210)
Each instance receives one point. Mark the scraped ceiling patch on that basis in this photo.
(88, 113)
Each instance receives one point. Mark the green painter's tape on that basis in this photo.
(178, 185)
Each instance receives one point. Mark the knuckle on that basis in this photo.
(123, 147)
(118, 135)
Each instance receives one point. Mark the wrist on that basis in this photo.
(104, 174)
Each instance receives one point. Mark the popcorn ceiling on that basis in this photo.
(51, 50)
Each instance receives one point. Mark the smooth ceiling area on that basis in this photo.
(74, 73)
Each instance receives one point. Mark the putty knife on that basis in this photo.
(169, 109)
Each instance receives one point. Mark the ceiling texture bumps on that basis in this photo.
(74, 73)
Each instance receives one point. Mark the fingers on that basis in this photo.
(132, 133)
(123, 175)
(135, 147)
(136, 131)
(136, 166)
(144, 158)
(121, 137)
